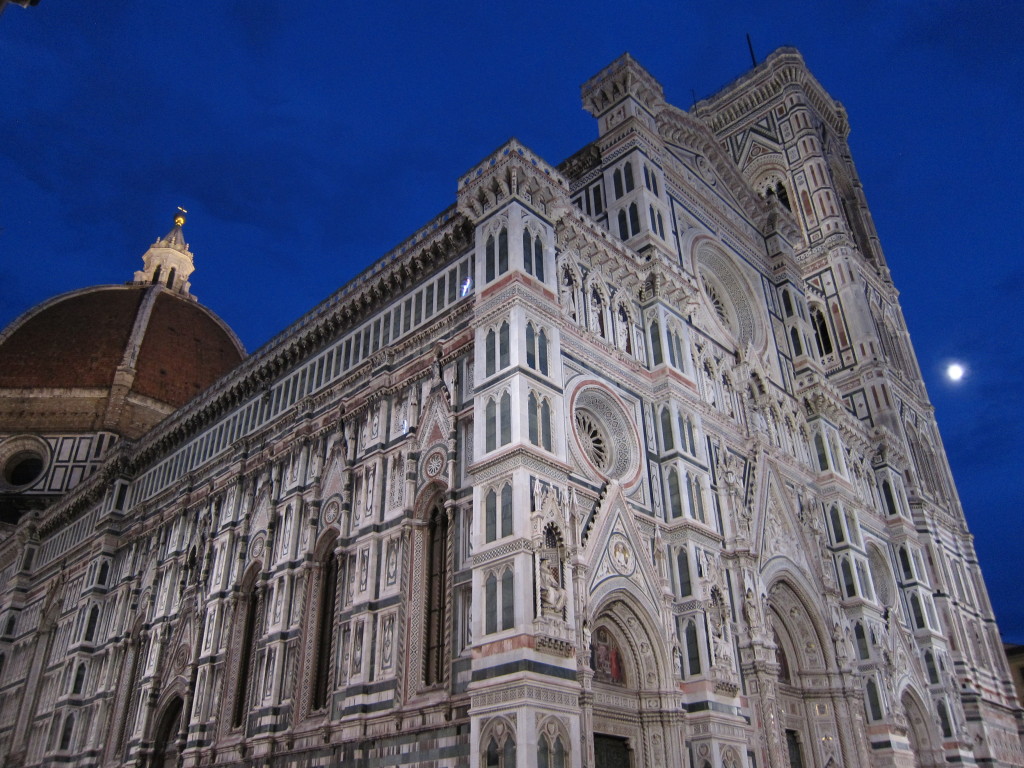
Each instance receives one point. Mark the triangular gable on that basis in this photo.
(779, 532)
(436, 422)
(618, 555)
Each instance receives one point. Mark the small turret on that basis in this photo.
(168, 261)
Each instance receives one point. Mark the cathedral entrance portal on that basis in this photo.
(610, 752)
(165, 743)
(630, 672)
(808, 714)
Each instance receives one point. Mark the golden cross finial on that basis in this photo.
(179, 218)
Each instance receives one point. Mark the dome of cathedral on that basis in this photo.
(116, 357)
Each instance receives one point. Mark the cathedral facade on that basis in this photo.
(626, 461)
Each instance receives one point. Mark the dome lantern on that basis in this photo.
(169, 262)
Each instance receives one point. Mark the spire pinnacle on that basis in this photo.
(168, 261)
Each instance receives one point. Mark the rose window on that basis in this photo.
(593, 439)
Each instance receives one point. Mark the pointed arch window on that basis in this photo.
(498, 513)
(675, 503)
(623, 225)
(874, 703)
(506, 418)
(944, 723)
(837, 525)
(905, 565)
(491, 425)
(503, 251)
(657, 358)
(849, 585)
(794, 336)
(691, 649)
(533, 255)
(627, 173)
(888, 498)
(90, 626)
(537, 348)
(498, 421)
(863, 652)
(500, 752)
(490, 265)
(918, 614)
(436, 548)
(499, 601)
(251, 619)
(683, 570)
(617, 183)
(821, 335)
(822, 452)
(666, 429)
(929, 665)
(79, 683)
(686, 434)
(503, 345)
(695, 497)
(508, 595)
(325, 627)
(67, 732)
(490, 353)
(550, 752)
(496, 255)
(675, 341)
(634, 219)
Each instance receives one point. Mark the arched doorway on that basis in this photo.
(165, 741)
(628, 662)
(809, 728)
(923, 743)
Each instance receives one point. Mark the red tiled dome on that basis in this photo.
(149, 347)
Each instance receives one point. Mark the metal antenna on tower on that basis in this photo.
(750, 46)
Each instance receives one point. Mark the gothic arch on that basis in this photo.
(429, 625)
(646, 662)
(925, 743)
(797, 620)
(166, 726)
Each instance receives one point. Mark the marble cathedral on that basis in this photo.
(625, 461)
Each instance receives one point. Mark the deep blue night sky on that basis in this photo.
(306, 139)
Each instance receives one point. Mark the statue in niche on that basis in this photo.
(752, 612)
(552, 594)
(718, 623)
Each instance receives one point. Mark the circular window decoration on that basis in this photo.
(605, 434)
(722, 308)
(728, 296)
(434, 464)
(881, 576)
(593, 439)
(331, 513)
(23, 460)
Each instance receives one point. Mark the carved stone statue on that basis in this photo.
(552, 594)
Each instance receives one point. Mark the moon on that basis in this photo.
(955, 371)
